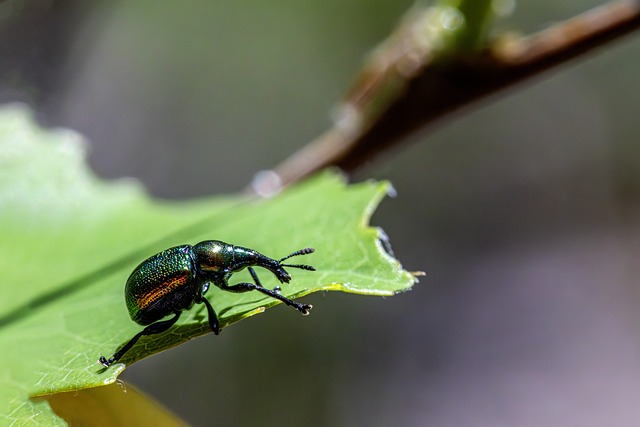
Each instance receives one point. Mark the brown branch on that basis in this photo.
(407, 86)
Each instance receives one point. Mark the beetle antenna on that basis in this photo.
(304, 251)
(300, 266)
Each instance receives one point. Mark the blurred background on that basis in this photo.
(523, 212)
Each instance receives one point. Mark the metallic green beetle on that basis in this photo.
(177, 278)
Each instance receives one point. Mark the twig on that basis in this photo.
(411, 82)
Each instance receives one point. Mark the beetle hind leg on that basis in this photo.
(155, 328)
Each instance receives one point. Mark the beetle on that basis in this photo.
(175, 279)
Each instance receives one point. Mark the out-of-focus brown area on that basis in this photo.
(523, 213)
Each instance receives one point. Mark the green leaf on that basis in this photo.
(69, 241)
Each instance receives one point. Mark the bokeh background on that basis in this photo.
(523, 211)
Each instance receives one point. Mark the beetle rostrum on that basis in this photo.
(177, 278)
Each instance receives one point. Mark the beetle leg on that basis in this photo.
(257, 286)
(152, 329)
(275, 293)
(213, 318)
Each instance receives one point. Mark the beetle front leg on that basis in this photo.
(152, 329)
(257, 286)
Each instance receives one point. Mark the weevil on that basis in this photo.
(175, 279)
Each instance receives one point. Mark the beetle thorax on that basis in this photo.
(212, 256)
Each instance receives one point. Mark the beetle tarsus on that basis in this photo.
(305, 309)
(105, 362)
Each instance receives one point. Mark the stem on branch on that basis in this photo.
(436, 62)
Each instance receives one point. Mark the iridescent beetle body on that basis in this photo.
(167, 279)
(177, 278)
